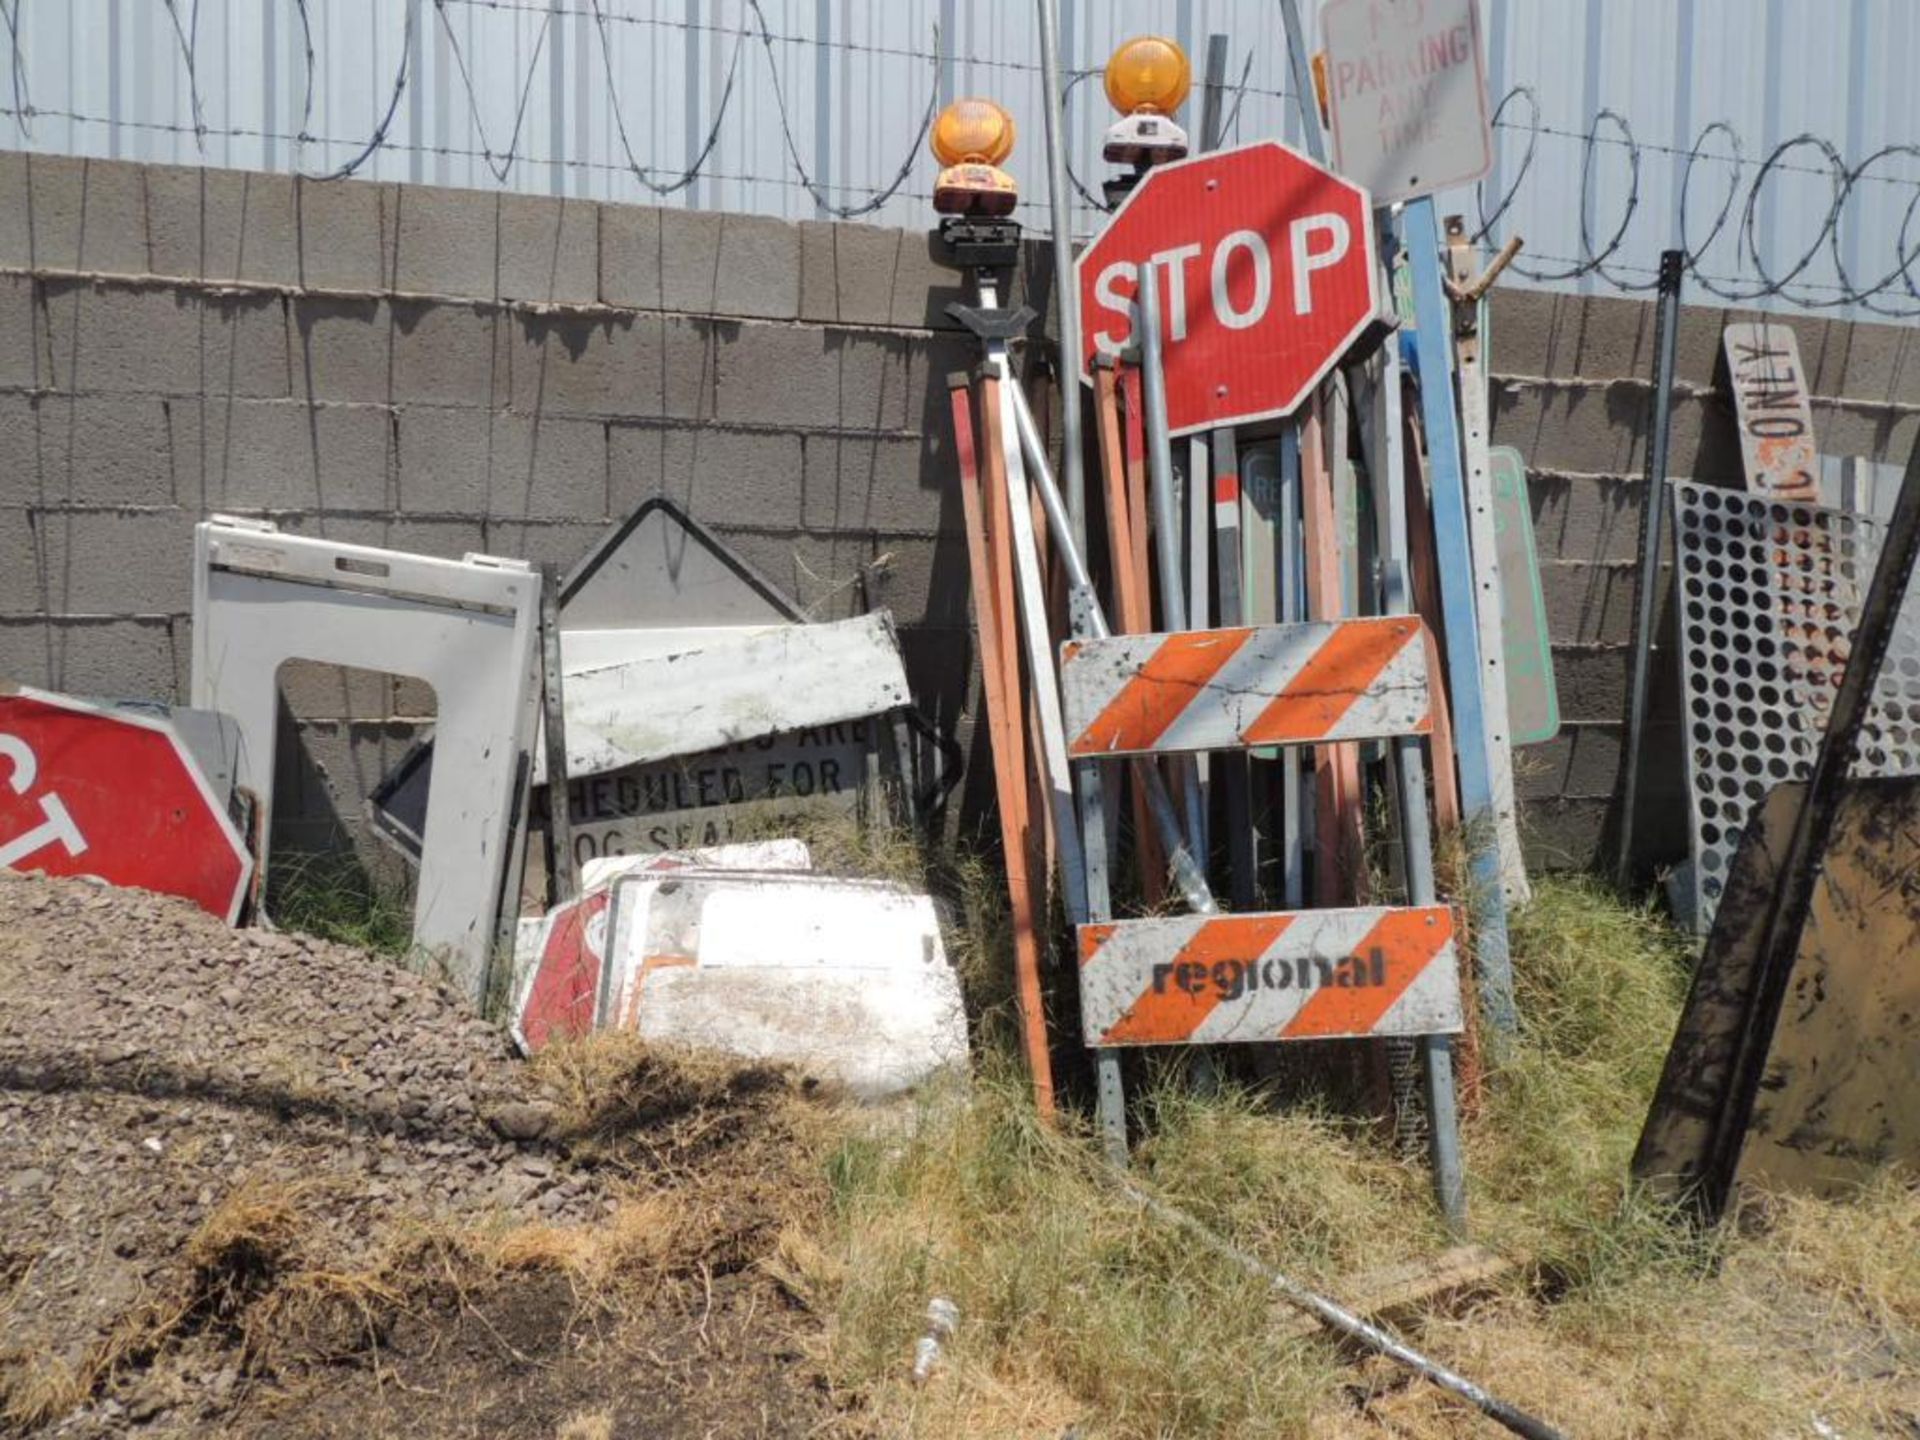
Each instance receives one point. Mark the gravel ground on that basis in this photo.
(153, 1061)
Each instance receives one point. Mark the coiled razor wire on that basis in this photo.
(1894, 293)
(1708, 211)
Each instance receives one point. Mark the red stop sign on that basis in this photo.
(86, 790)
(1267, 275)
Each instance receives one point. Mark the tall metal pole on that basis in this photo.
(1067, 296)
(1667, 329)
(1303, 92)
(1166, 511)
(1090, 619)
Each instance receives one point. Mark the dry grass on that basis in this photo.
(588, 1425)
(1079, 1310)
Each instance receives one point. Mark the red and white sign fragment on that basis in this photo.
(561, 953)
(1255, 685)
(1289, 975)
(89, 790)
(1776, 418)
(563, 988)
(1407, 94)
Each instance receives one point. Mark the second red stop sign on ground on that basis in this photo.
(1267, 275)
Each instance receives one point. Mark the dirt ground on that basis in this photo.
(258, 1184)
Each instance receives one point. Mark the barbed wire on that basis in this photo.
(1734, 208)
(1894, 294)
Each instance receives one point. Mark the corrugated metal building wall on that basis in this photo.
(805, 108)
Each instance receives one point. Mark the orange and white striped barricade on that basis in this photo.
(1261, 977)
(1305, 684)
(1289, 975)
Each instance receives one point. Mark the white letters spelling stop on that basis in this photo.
(1267, 264)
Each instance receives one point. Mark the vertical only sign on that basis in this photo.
(1407, 94)
(1776, 417)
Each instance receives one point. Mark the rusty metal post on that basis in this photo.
(561, 883)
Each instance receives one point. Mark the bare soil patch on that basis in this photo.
(259, 1184)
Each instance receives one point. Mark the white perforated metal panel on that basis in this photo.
(1769, 596)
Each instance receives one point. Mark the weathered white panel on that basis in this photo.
(705, 696)
(845, 979)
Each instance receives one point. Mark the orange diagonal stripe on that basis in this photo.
(1170, 1014)
(1407, 940)
(1152, 697)
(1337, 675)
(1092, 937)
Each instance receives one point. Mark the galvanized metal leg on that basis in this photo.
(1293, 836)
(1091, 782)
(1476, 440)
(1667, 328)
(1111, 1111)
(1443, 1132)
(1443, 1109)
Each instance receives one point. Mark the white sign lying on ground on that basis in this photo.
(846, 979)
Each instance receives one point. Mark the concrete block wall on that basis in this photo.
(1572, 391)
(453, 371)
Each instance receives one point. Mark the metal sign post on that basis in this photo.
(1166, 518)
(1454, 549)
(1059, 203)
(1667, 329)
(562, 884)
(1476, 438)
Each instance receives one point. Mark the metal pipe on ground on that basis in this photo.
(1344, 1322)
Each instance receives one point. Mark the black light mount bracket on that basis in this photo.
(993, 324)
(977, 242)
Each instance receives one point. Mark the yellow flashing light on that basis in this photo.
(970, 138)
(1149, 75)
(972, 132)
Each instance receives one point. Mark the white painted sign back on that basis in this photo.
(1407, 94)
